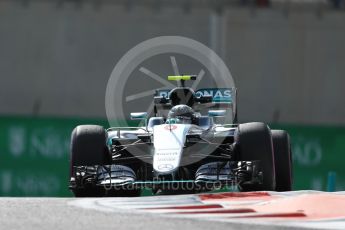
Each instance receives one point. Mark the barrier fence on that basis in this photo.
(34, 155)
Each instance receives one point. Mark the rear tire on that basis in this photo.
(255, 143)
(88, 148)
(282, 160)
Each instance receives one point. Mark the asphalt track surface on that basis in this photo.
(255, 210)
(56, 213)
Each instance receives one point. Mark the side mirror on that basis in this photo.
(160, 100)
(139, 116)
(216, 113)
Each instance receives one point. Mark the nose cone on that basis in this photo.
(168, 143)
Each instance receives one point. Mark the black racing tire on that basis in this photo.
(255, 143)
(283, 160)
(88, 148)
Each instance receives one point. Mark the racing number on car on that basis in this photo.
(170, 127)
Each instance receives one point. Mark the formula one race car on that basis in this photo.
(184, 148)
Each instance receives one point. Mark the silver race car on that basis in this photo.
(188, 146)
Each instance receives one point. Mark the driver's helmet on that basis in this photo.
(180, 114)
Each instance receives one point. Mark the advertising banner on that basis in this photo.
(34, 155)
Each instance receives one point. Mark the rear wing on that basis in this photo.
(222, 98)
(219, 95)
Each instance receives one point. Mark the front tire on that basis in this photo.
(255, 143)
(88, 148)
(283, 160)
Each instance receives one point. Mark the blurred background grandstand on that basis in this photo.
(287, 58)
